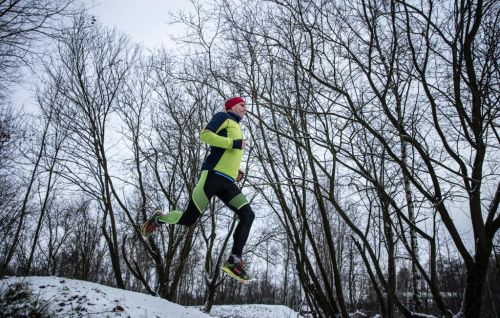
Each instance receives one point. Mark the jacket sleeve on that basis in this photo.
(209, 134)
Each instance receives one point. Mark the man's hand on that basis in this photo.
(244, 144)
(241, 175)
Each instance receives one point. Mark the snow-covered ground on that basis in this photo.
(253, 311)
(75, 298)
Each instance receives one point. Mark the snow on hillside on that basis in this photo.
(75, 298)
(253, 311)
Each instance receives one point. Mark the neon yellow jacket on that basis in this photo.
(223, 133)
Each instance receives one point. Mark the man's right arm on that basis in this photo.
(209, 134)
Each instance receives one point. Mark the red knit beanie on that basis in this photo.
(233, 101)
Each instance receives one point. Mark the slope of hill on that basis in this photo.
(62, 297)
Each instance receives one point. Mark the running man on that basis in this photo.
(219, 173)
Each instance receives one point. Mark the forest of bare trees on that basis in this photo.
(373, 165)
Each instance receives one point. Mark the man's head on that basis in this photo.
(236, 105)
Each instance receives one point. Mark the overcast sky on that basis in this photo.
(145, 21)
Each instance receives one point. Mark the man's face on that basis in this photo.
(239, 109)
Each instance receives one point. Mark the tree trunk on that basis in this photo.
(476, 276)
(391, 264)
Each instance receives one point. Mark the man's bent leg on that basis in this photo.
(237, 202)
(197, 204)
(240, 236)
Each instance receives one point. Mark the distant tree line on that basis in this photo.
(374, 133)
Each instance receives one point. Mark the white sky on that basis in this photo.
(145, 21)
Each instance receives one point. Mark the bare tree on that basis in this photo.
(58, 226)
(471, 115)
(35, 162)
(25, 24)
(12, 131)
(56, 136)
(93, 67)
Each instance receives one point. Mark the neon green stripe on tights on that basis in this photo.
(199, 197)
(238, 201)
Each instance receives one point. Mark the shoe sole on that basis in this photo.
(236, 277)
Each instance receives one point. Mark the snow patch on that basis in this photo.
(71, 298)
(253, 311)
(74, 298)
